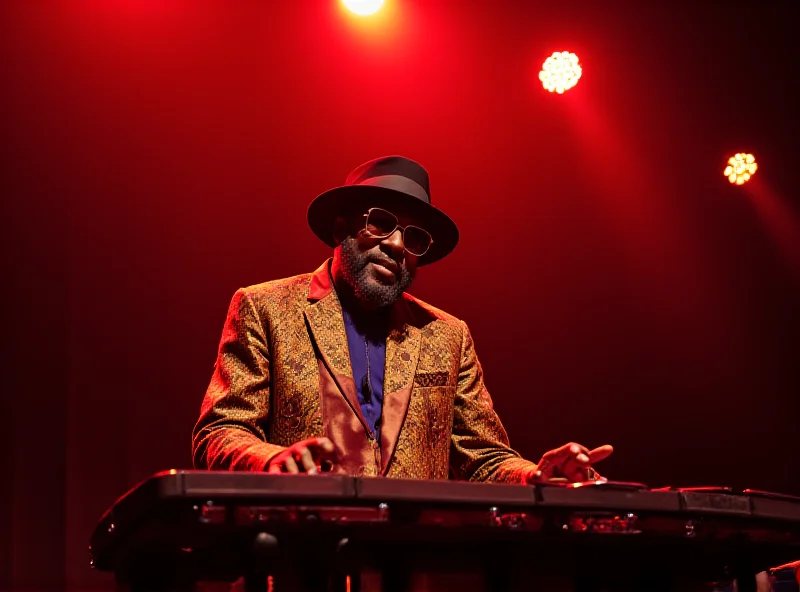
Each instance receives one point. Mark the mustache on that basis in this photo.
(354, 268)
(387, 262)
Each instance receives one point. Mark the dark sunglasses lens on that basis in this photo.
(416, 240)
(380, 222)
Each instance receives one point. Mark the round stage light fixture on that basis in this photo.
(560, 72)
(741, 167)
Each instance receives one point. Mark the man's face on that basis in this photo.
(378, 270)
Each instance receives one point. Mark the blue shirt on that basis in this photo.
(366, 334)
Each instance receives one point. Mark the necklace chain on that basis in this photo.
(367, 386)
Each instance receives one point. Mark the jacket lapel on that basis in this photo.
(326, 327)
(402, 354)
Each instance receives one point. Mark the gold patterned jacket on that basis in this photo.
(283, 375)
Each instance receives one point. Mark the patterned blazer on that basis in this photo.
(283, 375)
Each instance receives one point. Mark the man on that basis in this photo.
(341, 370)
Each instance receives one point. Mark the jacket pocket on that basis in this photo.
(431, 379)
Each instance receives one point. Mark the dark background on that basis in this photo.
(158, 154)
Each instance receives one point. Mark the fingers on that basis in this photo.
(553, 463)
(584, 475)
(571, 461)
(322, 448)
(573, 452)
(283, 463)
(581, 469)
(305, 457)
(600, 453)
(582, 456)
(575, 471)
(290, 466)
(307, 461)
(325, 444)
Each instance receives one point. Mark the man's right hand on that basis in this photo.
(304, 457)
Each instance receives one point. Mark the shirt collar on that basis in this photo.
(321, 282)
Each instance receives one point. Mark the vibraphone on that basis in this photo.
(322, 532)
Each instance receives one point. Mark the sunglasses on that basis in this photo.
(381, 224)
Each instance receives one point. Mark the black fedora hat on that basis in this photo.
(395, 183)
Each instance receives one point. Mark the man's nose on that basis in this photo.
(395, 242)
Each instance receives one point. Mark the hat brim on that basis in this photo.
(323, 211)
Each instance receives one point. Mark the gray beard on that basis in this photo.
(354, 272)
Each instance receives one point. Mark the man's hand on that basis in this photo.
(304, 457)
(571, 462)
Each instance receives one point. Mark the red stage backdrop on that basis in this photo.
(160, 154)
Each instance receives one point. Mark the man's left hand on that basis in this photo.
(571, 462)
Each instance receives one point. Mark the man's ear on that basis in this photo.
(340, 230)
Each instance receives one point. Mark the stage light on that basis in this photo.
(363, 7)
(740, 168)
(560, 72)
